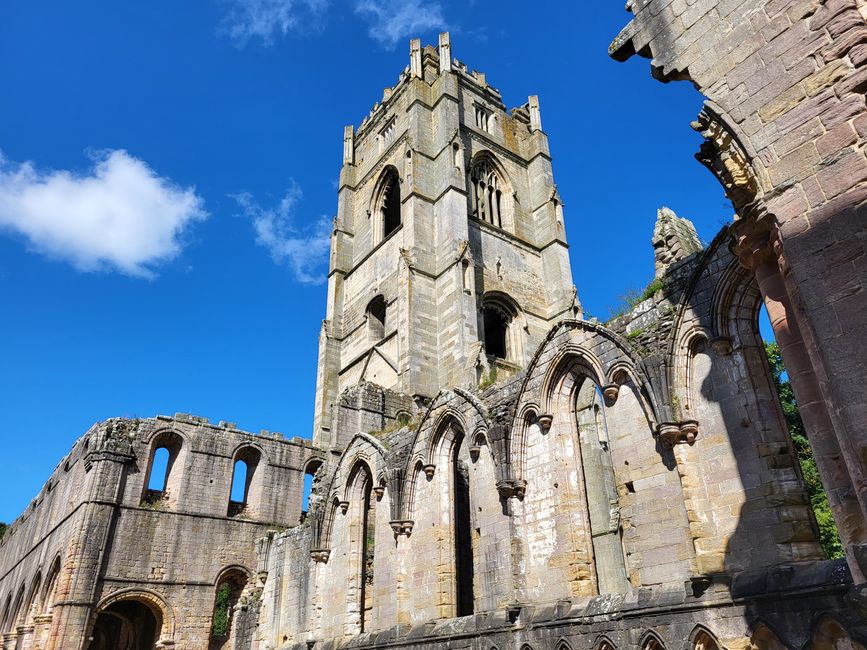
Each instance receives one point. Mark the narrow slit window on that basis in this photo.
(239, 483)
(159, 471)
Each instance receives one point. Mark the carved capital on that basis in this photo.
(344, 506)
(545, 421)
(689, 431)
(402, 527)
(610, 392)
(509, 488)
(754, 242)
(678, 433)
(475, 450)
(379, 492)
(429, 471)
(320, 555)
(505, 489)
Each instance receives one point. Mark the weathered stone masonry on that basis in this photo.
(492, 470)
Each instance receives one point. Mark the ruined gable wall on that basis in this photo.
(113, 540)
(785, 129)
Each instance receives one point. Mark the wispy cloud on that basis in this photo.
(120, 215)
(390, 21)
(304, 250)
(268, 19)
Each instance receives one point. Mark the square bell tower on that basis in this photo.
(449, 260)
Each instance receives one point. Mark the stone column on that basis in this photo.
(755, 250)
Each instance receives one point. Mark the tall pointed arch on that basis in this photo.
(490, 193)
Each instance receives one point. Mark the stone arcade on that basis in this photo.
(491, 470)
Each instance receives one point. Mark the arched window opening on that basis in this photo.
(390, 205)
(600, 490)
(829, 634)
(376, 312)
(652, 643)
(486, 193)
(15, 612)
(829, 536)
(125, 624)
(164, 470)
(309, 474)
(704, 641)
(51, 587)
(33, 606)
(6, 611)
(463, 531)
(765, 639)
(496, 328)
(358, 528)
(230, 586)
(238, 496)
(242, 499)
(159, 471)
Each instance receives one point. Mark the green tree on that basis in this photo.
(828, 536)
(221, 611)
(3, 528)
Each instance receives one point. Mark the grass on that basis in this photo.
(489, 379)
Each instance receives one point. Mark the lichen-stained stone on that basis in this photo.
(490, 470)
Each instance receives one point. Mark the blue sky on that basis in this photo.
(168, 171)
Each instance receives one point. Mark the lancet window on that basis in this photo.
(487, 193)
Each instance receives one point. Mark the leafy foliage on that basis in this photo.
(828, 536)
(222, 611)
(3, 528)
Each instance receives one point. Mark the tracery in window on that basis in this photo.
(487, 193)
(483, 118)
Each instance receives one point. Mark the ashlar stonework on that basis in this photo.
(490, 469)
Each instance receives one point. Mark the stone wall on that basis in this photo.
(96, 536)
(634, 479)
(785, 125)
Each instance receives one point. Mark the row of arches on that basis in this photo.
(700, 639)
(565, 451)
(827, 633)
(458, 481)
(166, 463)
(32, 600)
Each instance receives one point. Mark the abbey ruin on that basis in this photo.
(491, 470)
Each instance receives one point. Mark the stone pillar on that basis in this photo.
(445, 52)
(535, 113)
(415, 58)
(755, 251)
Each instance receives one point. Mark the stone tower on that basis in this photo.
(449, 260)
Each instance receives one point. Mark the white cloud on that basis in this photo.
(119, 215)
(267, 19)
(391, 21)
(304, 250)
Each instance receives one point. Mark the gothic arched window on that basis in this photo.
(387, 216)
(501, 337)
(376, 311)
(496, 328)
(486, 188)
